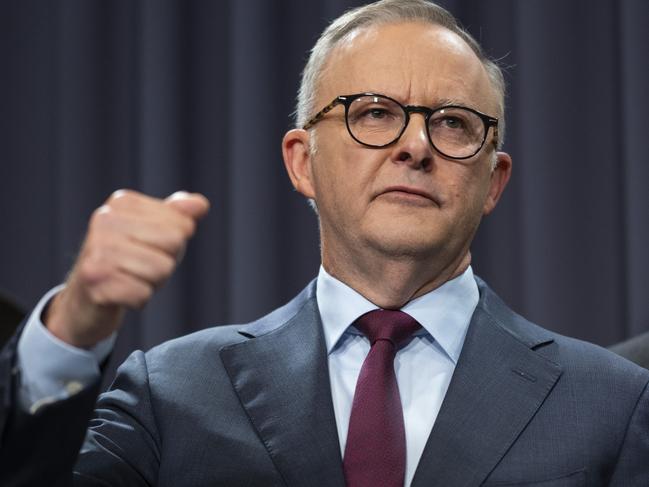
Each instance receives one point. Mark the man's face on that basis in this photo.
(405, 200)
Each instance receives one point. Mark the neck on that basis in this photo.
(391, 283)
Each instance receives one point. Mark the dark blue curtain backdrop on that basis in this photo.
(159, 95)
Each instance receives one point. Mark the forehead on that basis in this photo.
(414, 62)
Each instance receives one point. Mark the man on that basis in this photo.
(400, 118)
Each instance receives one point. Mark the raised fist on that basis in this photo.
(132, 246)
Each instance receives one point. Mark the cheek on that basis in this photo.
(469, 189)
(343, 178)
(334, 187)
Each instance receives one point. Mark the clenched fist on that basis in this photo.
(132, 246)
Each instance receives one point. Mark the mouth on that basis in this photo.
(409, 195)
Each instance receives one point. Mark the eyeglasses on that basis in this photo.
(377, 121)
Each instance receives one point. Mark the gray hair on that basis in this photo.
(385, 12)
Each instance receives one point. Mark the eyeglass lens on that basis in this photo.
(378, 121)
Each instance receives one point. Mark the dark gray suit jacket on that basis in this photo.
(251, 406)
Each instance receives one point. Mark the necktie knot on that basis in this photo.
(384, 324)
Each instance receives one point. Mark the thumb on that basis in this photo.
(194, 205)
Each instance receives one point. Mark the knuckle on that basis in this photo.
(177, 238)
(161, 271)
(122, 198)
(167, 266)
(120, 193)
(101, 217)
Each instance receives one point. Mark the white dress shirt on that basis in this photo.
(52, 370)
(423, 368)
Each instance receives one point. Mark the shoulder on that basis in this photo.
(592, 367)
(582, 362)
(193, 364)
(205, 343)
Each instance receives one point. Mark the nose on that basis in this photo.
(413, 147)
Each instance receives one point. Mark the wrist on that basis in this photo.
(79, 325)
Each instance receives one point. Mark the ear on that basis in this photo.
(297, 159)
(499, 178)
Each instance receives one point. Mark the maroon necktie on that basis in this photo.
(375, 453)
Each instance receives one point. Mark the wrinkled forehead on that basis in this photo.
(414, 62)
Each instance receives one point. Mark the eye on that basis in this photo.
(453, 122)
(377, 113)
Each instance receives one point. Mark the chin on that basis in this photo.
(404, 243)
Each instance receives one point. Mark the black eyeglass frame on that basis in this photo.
(347, 100)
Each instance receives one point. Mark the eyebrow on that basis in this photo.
(439, 102)
(442, 102)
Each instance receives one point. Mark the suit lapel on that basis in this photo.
(281, 377)
(499, 383)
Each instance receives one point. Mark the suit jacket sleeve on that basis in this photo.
(40, 448)
(44, 448)
(122, 442)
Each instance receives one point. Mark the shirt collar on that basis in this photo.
(445, 312)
